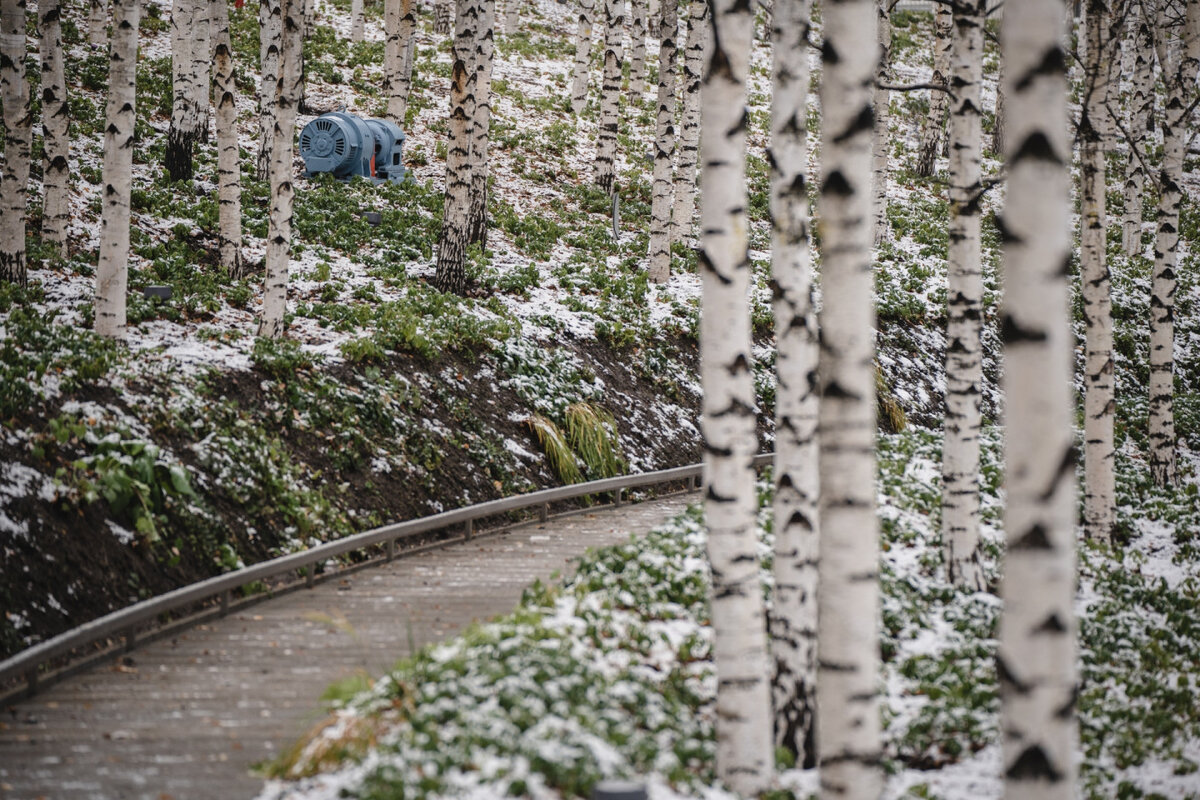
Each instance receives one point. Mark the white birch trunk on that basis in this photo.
(18, 136)
(512, 20)
(400, 23)
(185, 120)
(1036, 656)
(1099, 483)
(998, 120)
(1179, 73)
(279, 220)
(689, 126)
(98, 23)
(1141, 114)
(485, 49)
(848, 726)
(202, 56)
(964, 326)
(883, 115)
(637, 50)
(793, 620)
(583, 56)
(356, 20)
(933, 125)
(56, 204)
(229, 172)
(270, 21)
(443, 16)
(743, 723)
(610, 95)
(112, 267)
(663, 191)
(452, 244)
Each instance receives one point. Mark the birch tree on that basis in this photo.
(443, 16)
(689, 126)
(793, 620)
(485, 48)
(933, 125)
(14, 179)
(663, 194)
(185, 114)
(583, 56)
(848, 728)
(883, 114)
(610, 95)
(452, 243)
(98, 23)
(356, 20)
(1099, 401)
(229, 173)
(1178, 61)
(112, 270)
(964, 325)
(512, 20)
(1141, 117)
(400, 24)
(270, 23)
(279, 220)
(56, 202)
(1036, 654)
(743, 727)
(202, 55)
(637, 50)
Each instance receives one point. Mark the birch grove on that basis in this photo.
(964, 322)
(1099, 401)
(933, 126)
(689, 126)
(1140, 119)
(18, 139)
(279, 220)
(1178, 60)
(452, 243)
(1036, 654)
(112, 266)
(485, 49)
(270, 22)
(400, 25)
(229, 171)
(793, 620)
(743, 713)
(663, 190)
(56, 208)
(583, 56)
(848, 726)
(610, 95)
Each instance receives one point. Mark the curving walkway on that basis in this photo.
(187, 717)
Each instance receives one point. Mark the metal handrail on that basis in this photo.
(27, 662)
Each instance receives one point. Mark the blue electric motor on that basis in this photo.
(345, 145)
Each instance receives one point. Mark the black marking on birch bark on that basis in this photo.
(1052, 625)
(1007, 236)
(836, 184)
(835, 666)
(869, 759)
(735, 408)
(835, 390)
(1035, 147)
(1053, 62)
(1065, 471)
(739, 366)
(799, 519)
(1067, 709)
(1007, 678)
(712, 495)
(1035, 538)
(707, 264)
(1011, 332)
(1033, 765)
(863, 121)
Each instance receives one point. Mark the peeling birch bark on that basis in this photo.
(112, 267)
(743, 712)
(1036, 654)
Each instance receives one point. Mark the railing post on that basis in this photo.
(391, 549)
(470, 529)
(225, 597)
(617, 498)
(544, 512)
(310, 576)
(31, 679)
(130, 639)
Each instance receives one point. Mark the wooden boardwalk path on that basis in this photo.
(186, 717)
